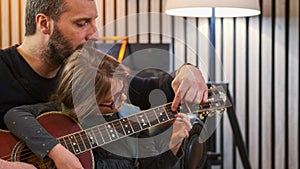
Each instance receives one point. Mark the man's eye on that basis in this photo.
(82, 24)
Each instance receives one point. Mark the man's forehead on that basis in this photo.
(81, 8)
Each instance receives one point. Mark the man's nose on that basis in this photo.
(93, 33)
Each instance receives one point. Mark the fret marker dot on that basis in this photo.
(113, 135)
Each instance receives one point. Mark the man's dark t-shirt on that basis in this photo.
(20, 84)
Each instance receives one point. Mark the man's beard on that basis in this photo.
(59, 48)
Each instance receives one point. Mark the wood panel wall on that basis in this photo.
(257, 56)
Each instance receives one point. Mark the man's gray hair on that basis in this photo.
(51, 8)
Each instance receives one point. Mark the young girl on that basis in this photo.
(92, 89)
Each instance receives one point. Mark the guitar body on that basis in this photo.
(58, 125)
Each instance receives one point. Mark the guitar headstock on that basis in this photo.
(217, 102)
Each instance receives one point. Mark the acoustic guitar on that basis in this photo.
(81, 142)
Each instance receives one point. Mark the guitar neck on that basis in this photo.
(99, 135)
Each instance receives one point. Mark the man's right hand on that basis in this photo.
(63, 158)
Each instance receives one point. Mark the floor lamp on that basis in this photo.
(212, 9)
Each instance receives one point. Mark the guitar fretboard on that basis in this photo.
(111, 131)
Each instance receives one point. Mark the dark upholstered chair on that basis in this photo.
(195, 153)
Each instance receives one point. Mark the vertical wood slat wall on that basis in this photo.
(11, 22)
(257, 56)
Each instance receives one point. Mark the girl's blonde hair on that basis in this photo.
(87, 74)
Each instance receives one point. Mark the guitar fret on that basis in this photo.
(86, 140)
(135, 123)
(95, 143)
(124, 127)
(108, 133)
(97, 136)
(144, 122)
(148, 121)
(170, 113)
(167, 114)
(74, 144)
(69, 145)
(80, 142)
(100, 137)
(63, 142)
(119, 128)
(112, 131)
(187, 106)
(105, 134)
(160, 113)
(157, 117)
(127, 126)
(152, 118)
(91, 138)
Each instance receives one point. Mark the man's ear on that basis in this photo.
(43, 23)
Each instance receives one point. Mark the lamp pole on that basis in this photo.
(212, 55)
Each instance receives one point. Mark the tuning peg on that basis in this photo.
(203, 115)
(211, 99)
(211, 113)
(219, 112)
(212, 86)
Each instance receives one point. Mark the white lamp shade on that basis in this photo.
(203, 8)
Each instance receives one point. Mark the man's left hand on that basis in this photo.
(189, 85)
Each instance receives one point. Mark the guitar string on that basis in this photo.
(27, 151)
